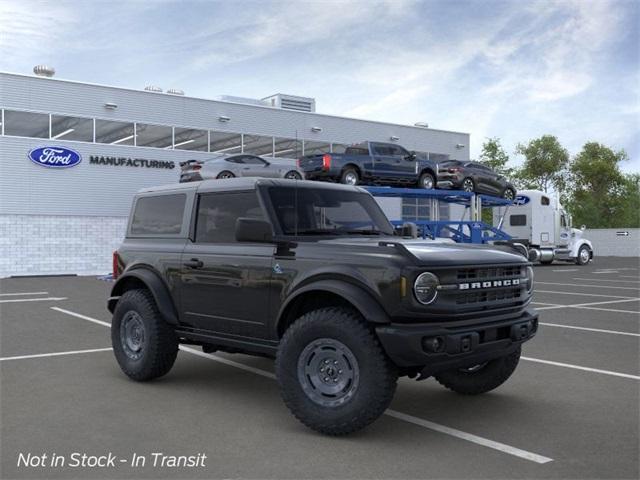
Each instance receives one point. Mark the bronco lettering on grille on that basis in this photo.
(489, 284)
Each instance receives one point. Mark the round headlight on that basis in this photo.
(425, 288)
(530, 279)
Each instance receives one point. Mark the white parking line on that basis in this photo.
(23, 293)
(49, 299)
(578, 367)
(84, 317)
(533, 457)
(469, 437)
(604, 272)
(585, 305)
(607, 280)
(584, 294)
(628, 276)
(610, 310)
(567, 270)
(588, 286)
(598, 330)
(55, 354)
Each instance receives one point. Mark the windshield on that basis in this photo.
(323, 211)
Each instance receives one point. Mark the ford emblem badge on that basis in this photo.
(55, 157)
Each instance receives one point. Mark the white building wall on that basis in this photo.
(612, 242)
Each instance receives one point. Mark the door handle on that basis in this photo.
(194, 263)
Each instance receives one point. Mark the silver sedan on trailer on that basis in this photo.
(240, 165)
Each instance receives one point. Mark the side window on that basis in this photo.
(545, 201)
(398, 151)
(218, 212)
(251, 160)
(380, 149)
(158, 215)
(518, 220)
(235, 160)
(563, 221)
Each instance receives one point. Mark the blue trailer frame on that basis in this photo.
(462, 231)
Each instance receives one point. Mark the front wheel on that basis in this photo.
(225, 174)
(481, 378)
(468, 185)
(332, 372)
(584, 255)
(293, 175)
(144, 345)
(509, 194)
(427, 181)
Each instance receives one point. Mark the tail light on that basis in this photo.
(326, 161)
(116, 265)
(196, 167)
(298, 162)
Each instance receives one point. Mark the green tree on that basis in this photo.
(495, 157)
(545, 164)
(600, 195)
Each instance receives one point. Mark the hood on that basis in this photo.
(440, 252)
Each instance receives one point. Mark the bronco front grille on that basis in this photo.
(493, 273)
(489, 296)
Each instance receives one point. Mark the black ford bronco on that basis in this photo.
(314, 275)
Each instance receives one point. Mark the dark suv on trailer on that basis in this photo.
(314, 275)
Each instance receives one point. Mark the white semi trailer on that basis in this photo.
(539, 221)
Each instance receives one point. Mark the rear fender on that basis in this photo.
(149, 279)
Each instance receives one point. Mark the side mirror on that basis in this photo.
(253, 230)
(411, 157)
(408, 229)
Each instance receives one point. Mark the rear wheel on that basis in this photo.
(144, 345)
(427, 181)
(481, 378)
(584, 255)
(332, 372)
(468, 185)
(225, 174)
(293, 175)
(350, 177)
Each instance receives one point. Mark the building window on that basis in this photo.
(287, 147)
(191, 139)
(416, 209)
(114, 133)
(26, 124)
(258, 145)
(225, 142)
(517, 220)
(159, 215)
(157, 136)
(315, 148)
(71, 128)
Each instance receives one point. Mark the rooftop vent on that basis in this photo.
(244, 100)
(44, 71)
(291, 102)
(153, 88)
(175, 91)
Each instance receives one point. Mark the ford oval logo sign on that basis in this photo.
(521, 200)
(55, 157)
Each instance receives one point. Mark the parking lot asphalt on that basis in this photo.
(571, 410)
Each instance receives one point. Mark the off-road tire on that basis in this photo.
(579, 260)
(160, 349)
(485, 379)
(225, 174)
(346, 173)
(424, 178)
(377, 375)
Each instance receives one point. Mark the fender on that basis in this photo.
(156, 286)
(576, 246)
(363, 301)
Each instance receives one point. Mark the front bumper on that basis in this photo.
(436, 347)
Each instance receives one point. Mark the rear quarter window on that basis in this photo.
(158, 215)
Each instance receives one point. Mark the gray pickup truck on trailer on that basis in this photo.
(314, 275)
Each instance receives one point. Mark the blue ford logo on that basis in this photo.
(55, 157)
(521, 200)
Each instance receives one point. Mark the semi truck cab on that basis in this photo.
(540, 222)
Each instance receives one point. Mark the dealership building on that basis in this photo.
(69, 220)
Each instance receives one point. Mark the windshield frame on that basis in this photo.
(369, 205)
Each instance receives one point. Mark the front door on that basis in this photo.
(225, 284)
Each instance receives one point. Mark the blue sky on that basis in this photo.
(513, 70)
